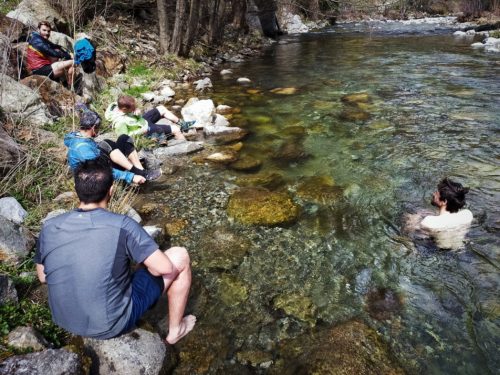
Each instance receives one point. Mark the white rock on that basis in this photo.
(153, 231)
(492, 41)
(148, 96)
(220, 120)
(30, 12)
(167, 91)
(226, 72)
(203, 84)
(495, 49)
(477, 45)
(12, 210)
(243, 80)
(223, 109)
(220, 130)
(292, 24)
(63, 40)
(471, 32)
(27, 337)
(459, 33)
(201, 111)
(133, 214)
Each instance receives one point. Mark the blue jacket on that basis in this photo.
(47, 47)
(82, 148)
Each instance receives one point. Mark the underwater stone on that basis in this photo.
(246, 164)
(259, 206)
(298, 306)
(175, 226)
(255, 358)
(284, 90)
(232, 291)
(291, 151)
(352, 114)
(319, 189)
(361, 97)
(383, 303)
(266, 180)
(223, 157)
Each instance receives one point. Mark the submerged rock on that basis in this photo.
(284, 90)
(350, 348)
(246, 164)
(266, 180)
(232, 291)
(222, 248)
(360, 97)
(259, 206)
(291, 152)
(243, 80)
(383, 303)
(319, 189)
(354, 114)
(223, 157)
(298, 306)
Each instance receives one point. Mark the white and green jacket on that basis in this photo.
(125, 123)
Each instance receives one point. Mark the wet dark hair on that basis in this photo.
(93, 179)
(453, 193)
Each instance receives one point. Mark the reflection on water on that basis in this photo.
(428, 108)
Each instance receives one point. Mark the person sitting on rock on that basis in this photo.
(84, 256)
(81, 146)
(449, 228)
(126, 119)
(43, 56)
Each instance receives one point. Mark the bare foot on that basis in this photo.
(186, 326)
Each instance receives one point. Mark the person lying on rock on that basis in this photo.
(126, 119)
(449, 227)
(43, 56)
(126, 164)
(84, 256)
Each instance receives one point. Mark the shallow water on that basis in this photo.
(434, 111)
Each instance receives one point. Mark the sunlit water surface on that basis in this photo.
(434, 111)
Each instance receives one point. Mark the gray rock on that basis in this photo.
(178, 148)
(53, 214)
(22, 103)
(243, 80)
(15, 240)
(51, 361)
(30, 12)
(220, 121)
(221, 130)
(153, 231)
(136, 353)
(8, 293)
(12, 210)
(148, 96)
(10, 152)
(67, 196)
(63, 40)
(133, 214)
(203, 84)
(27, 337)
(167, 91)
(92, 84)
(226, 72)
(201, 111)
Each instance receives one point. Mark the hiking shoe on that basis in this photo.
(185, 125)
(152, 174)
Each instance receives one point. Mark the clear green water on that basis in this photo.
(434, 112)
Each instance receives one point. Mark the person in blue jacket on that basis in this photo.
(125, 160)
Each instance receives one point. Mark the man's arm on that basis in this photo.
(41, 273)
(159, 264)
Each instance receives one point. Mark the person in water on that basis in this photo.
(449, 227)
(85, 255)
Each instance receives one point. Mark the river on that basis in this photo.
(429, 108)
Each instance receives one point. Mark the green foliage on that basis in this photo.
(7, 5)
(136, 91)
(63, 125)
(495, 34)
(30, 313)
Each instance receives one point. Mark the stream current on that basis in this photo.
(432, 110)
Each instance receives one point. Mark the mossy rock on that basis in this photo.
(222, 248)
(254, 357)
(261, 119)
(360, 97)
(253, 91)
(298, 306)
(290, 152)
(266, 180)
(350, 348)
(223, 157)
(246, 164)
(175, 227)
(232, 291)
(383, 303)
(354, 114)
(259, 206)
(319, 190)
(295, 131)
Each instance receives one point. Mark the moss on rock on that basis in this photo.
(319, 190)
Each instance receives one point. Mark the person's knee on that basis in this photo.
(175, 129)
(179, 256)
(162, 109)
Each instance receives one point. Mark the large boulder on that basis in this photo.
(177, 148)
(12, 29)
(12, 210)
(30, 12)
(15, 241)
(259, 206)
(10, 152)
(8, 292)
(109, 63)
(51, 361)
(22, 104)
(224, 134)
(63, 40)
(58, 99)
(350, 348)
(201, 111)
(136, 353)
(292, 23)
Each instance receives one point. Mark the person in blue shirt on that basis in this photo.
(125, 160)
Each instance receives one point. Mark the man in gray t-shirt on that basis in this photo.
(85, 256)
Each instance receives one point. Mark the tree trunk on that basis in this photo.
(177, 34)
(314, 9)
(239, 11)
(163, 23)
(192, 28)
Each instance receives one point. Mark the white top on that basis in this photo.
(449, 229)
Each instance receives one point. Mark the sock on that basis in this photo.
(140, 172)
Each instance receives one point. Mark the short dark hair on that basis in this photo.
(126, 102)
(93, 179)
(453, 193)
(44, 23)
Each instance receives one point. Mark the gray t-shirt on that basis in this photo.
(86, 257)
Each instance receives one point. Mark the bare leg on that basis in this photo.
(64, 67)
(167, 114)
(118, 158)
(176, 131)
(133, 157)
(177, 287)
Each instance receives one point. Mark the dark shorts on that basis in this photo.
(152, 117)
(45, 70)
(124, 143)
(146, 290)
